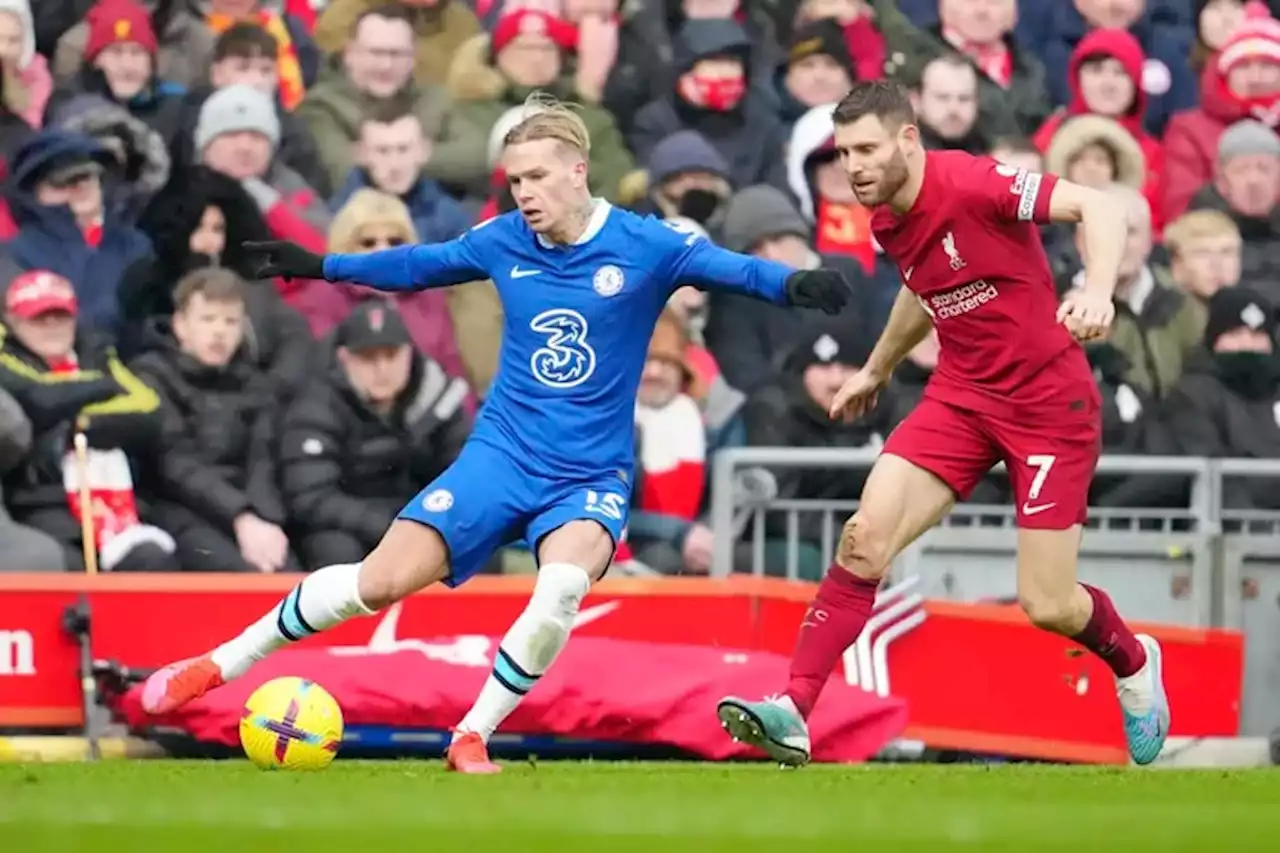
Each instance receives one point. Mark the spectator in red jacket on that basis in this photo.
(1244, 82)
(1106, 71)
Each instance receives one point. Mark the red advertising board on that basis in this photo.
(975, 677)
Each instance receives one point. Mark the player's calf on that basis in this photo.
(409, 557)
(839, 611)
(583, 549)
(1055, 601)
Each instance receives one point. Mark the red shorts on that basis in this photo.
(1050, 466)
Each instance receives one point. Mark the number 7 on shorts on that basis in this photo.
(1042, 462)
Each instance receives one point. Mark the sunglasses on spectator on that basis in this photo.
(376, 242)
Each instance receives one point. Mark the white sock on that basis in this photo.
(529, 647)
(325, 598)
(1137, 692)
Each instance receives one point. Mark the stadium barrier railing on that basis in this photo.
(1248, 557)
(1202, 565)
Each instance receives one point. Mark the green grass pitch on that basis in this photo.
(381, 807)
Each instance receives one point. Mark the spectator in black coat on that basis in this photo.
(22, 548)
(1227, 403)
(68, 379)
(1131, 426)
(793, 412)
(201, 220)
(216, 488)
(357, 444)
(750, 339)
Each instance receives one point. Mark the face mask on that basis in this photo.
(1249, 374)
(699, 205)
(719, 94)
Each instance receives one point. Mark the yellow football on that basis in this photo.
(291, 724)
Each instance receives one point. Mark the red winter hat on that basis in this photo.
(114, 21)
(1258, 37)
(533, 22)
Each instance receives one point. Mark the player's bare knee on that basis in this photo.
(581, 543)
(863, 548)
(1049, 612)
(410, 557)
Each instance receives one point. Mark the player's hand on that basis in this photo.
(282, 259)
(824, 289)
(1086, 315)
(857, 396)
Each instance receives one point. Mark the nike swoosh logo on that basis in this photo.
(516, 272)
(591, 614)
(906, 276)
(1028, 509)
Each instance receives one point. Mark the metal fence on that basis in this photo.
(1201, 565)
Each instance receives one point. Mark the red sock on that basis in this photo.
(831, 624)
(1109, 638)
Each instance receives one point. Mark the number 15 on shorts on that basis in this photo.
(608, 504)
(1041, 464)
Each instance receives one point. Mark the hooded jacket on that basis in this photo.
(140, 150)
(1128, 51)
(749, 136)
(1054, 31)
(277, 340)
(49, 238)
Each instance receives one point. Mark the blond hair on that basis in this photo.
(1198, 225)
(547, 118)
(368, 208)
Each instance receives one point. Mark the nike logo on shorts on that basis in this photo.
(516, 272)
(1028, 509)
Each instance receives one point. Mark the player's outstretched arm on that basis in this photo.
(401, 268)
(907, 326)
(706, 265)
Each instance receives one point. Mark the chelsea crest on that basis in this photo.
(608, 280)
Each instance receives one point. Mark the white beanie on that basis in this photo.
(233, 109)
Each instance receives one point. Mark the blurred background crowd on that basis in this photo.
(257, 426)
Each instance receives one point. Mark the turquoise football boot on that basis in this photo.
(772, 725)
(1146, 733)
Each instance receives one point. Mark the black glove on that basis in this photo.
(272, 258)
(823, 288)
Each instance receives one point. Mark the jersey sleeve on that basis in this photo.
(690, 258)
(415, 267)
(1009, 193)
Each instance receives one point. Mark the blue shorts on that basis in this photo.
(486, 500)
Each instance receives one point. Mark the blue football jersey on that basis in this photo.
(578, 320)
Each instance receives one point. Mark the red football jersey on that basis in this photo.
(970, 250)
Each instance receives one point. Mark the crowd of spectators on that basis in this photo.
(236, 424)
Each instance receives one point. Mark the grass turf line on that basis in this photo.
(381, 807)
